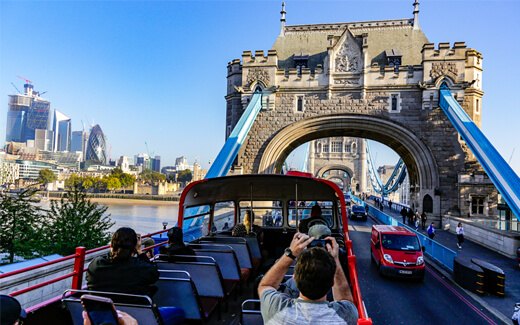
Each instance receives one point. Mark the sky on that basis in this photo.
(155, 71)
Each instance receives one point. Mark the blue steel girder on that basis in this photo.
(396, 179)
(498, 170)
(229, 151)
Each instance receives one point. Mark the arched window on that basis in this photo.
(319, 147)
(427, 203)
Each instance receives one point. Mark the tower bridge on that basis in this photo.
(375, 80)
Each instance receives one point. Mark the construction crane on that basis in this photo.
(18, 90)
(26, 80)
(109, 153)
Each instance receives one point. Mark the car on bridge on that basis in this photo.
(397, 251)
(358, 212)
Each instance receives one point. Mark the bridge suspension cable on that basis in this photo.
(498, 170)
(305, 159)
(396, 179)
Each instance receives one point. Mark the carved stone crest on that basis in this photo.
(257, 74)
(348, 57)
(346, 81)
(444, 68)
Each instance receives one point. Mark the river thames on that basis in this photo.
(142, 215)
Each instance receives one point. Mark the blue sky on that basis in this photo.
(156, 71)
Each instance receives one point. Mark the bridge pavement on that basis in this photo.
(502, 308)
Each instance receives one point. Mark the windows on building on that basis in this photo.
(477, 205)
(299, 103)
(394, 103)
(348, 148)
(336, 146)
(325, 147)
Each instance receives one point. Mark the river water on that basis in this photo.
(144, 217)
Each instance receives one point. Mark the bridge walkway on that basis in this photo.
(501, 307)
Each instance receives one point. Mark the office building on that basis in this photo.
(27, 113)
(43, 139)
(62, 131)
(96, 146)
(79, 141)
(30, 169)
(156, 164)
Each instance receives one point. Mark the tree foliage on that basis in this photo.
(46, 176)
(74, 222)
(20, 226)
(115, 180)
(185, 176)
(154, 176)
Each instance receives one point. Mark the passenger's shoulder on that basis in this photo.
(345, 309)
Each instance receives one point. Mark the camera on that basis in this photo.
(320, 243)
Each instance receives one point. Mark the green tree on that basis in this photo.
(113, 183)
(117, 172)
(87, 183)
(154, 176)
(20, 226)
(185, 176)
(73, 180)
(46, 176)
(76, 222)
(126, 180)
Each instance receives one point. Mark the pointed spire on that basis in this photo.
(416, 15)
(282, 31)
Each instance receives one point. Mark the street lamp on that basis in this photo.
(165, 224)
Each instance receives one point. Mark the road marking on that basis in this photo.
(461, 297)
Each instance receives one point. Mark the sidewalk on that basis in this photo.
(501, 307)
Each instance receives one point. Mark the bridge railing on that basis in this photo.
(79, 268)
(441, 254)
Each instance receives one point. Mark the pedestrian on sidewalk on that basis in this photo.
(390, 204)
(366, 209)
(460, 234)
(404, 213)
(423, 220)
(431, 231)
(410, 216)
(417, 220)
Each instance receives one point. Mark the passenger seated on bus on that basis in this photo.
(315, 274)
(315, 218)
(147, 243)
(318, 232)
(126, 269)
(248, 228)
(176, 244)
(11, 312)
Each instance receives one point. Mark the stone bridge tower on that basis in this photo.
(377, 80)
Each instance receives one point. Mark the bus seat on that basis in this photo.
(251, 314)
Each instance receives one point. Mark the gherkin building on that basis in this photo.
(96, 146)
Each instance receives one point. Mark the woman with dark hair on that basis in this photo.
(126, 269)
(176, 244)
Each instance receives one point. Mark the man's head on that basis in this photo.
(316, 211)
(10, 310)
(314, 272)
(123, 243)
(175, 235)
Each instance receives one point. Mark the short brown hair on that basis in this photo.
(314, 272)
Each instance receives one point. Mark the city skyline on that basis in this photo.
(138, 68)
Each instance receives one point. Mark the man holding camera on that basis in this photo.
(317, 270)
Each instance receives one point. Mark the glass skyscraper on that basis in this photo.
(26, 114)
(62, 131)
(96, 146)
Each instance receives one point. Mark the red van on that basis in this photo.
(397, 251)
